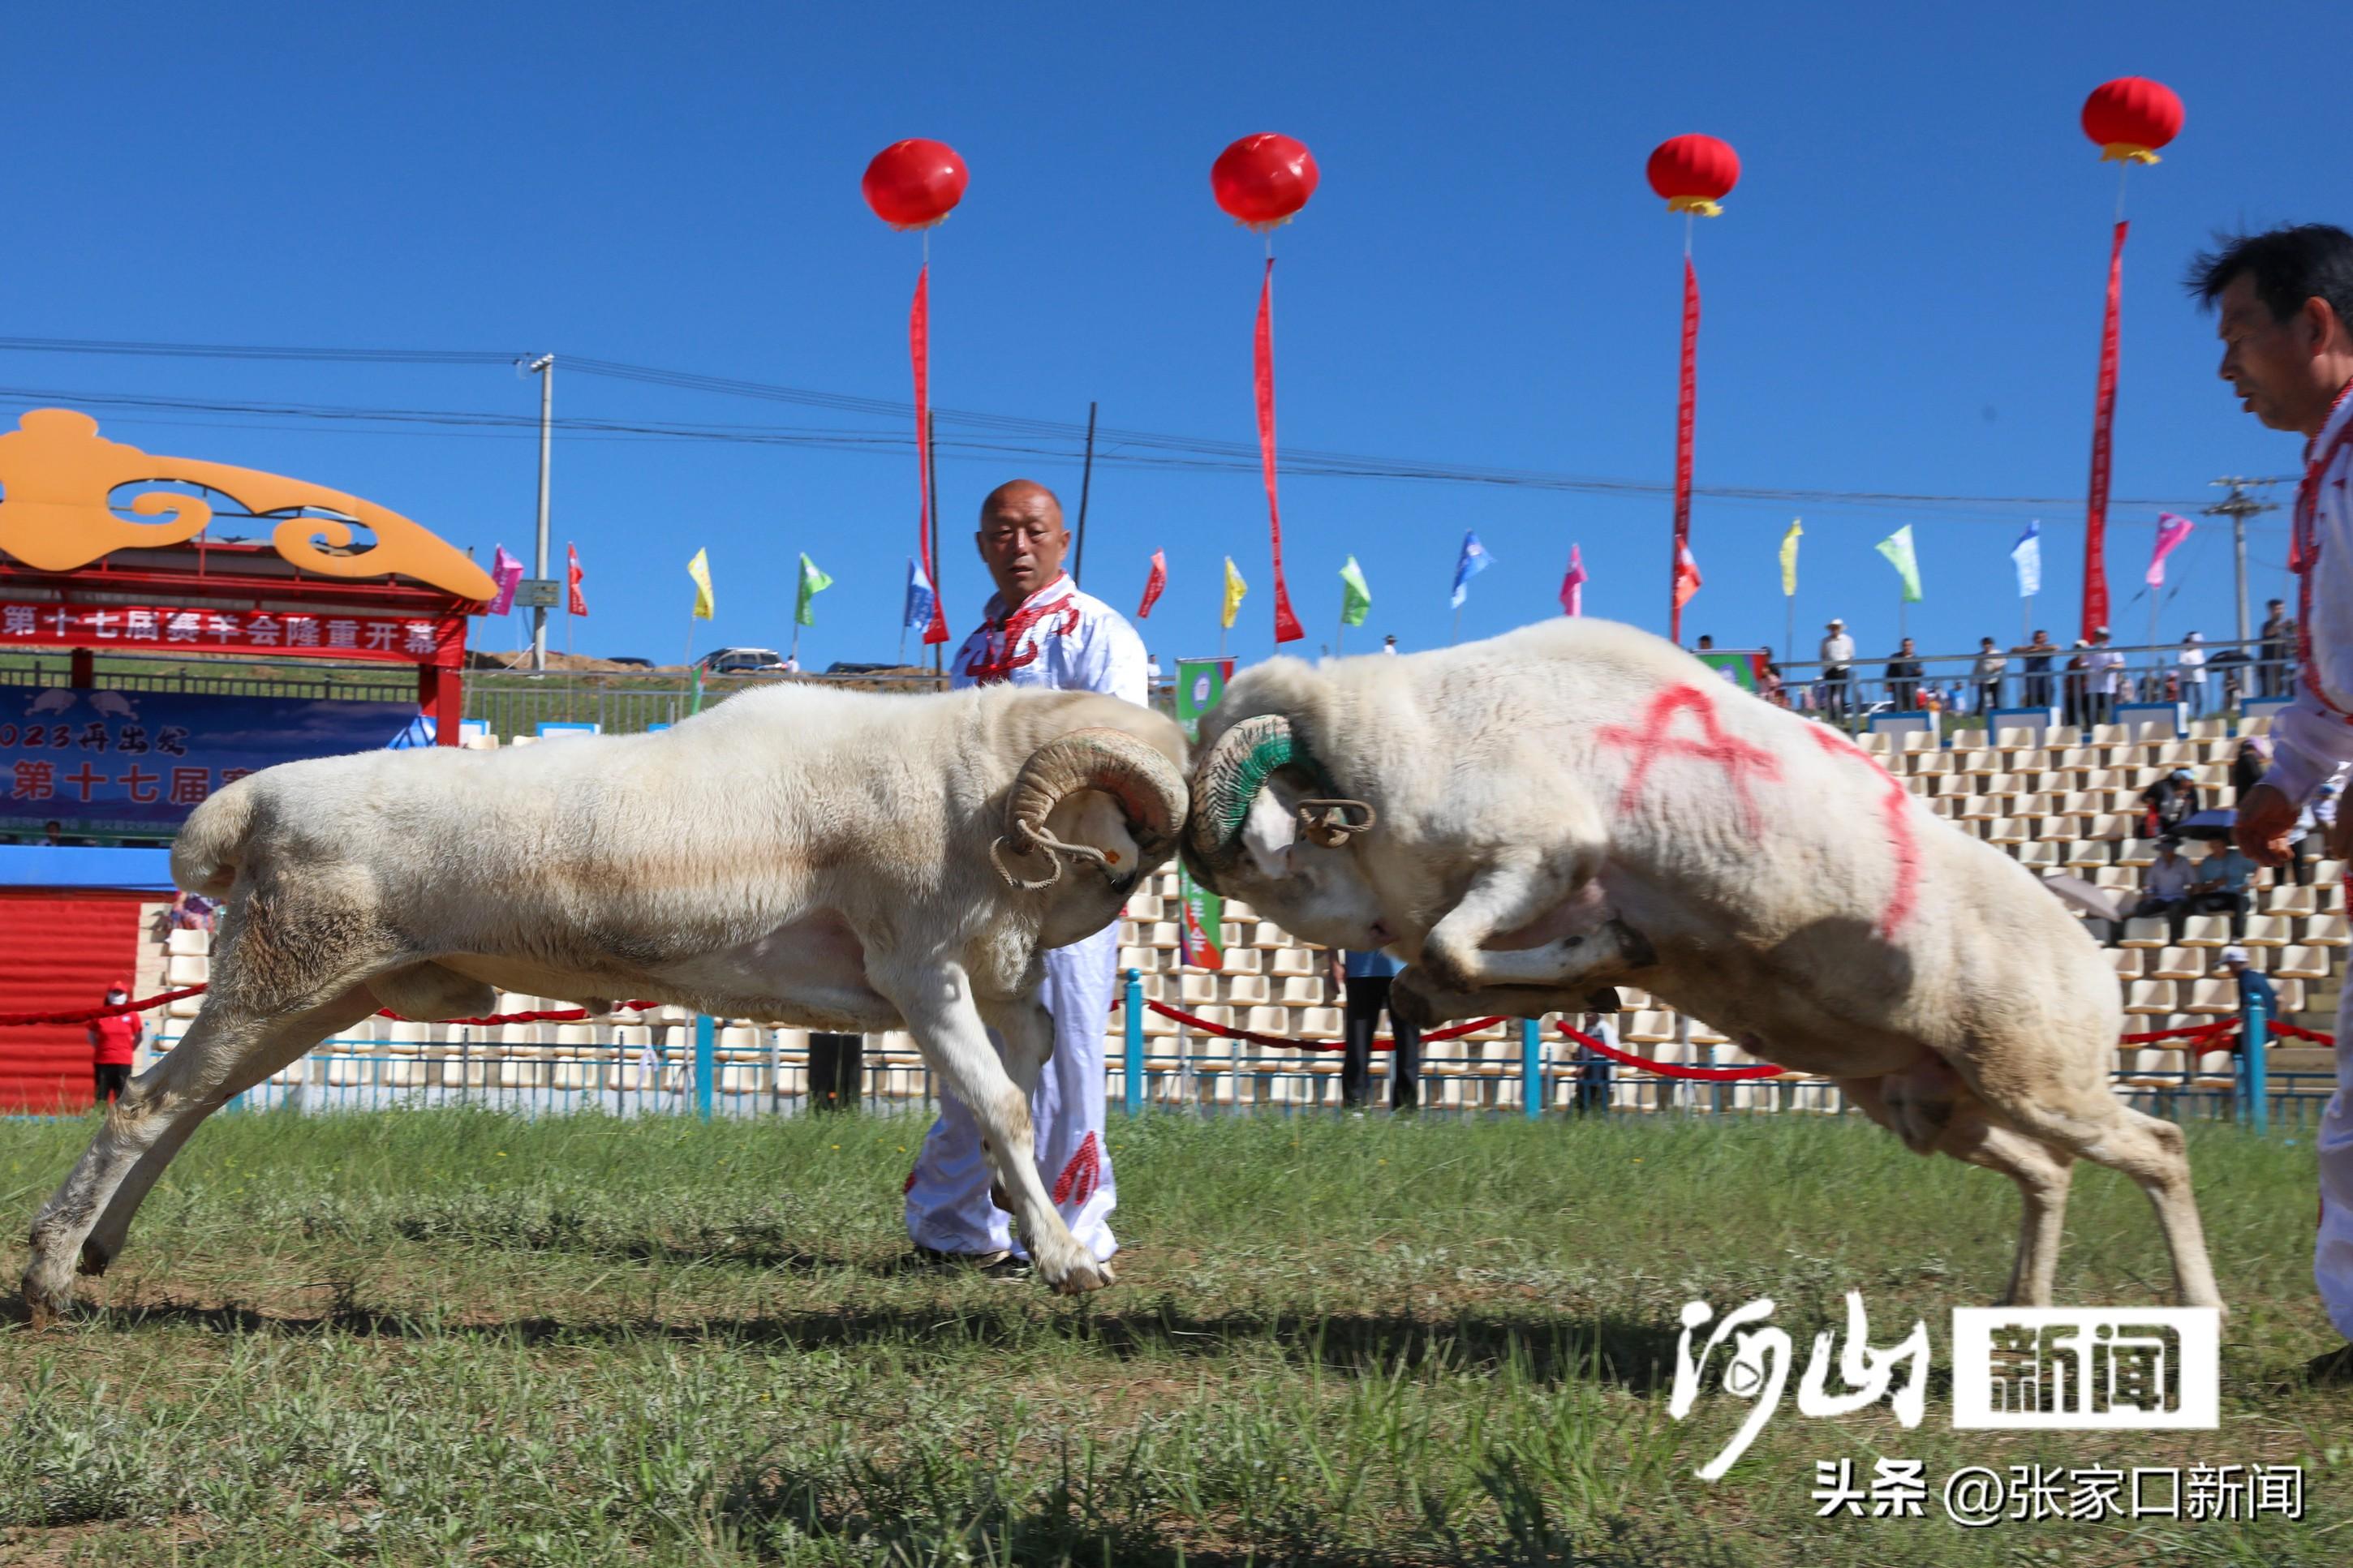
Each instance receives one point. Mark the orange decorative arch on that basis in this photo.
(59, 476)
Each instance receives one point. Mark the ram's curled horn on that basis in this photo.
(1149, 786)
(1227, 781)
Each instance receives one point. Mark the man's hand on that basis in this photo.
(2266, 817)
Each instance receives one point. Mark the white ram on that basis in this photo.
(832, 859)
(1528, 819)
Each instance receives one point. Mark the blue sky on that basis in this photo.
(1903, 295)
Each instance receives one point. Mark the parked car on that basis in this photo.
(631, 660)
(742, 661)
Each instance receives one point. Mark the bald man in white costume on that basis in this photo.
(1039, 631)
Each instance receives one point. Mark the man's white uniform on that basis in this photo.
(2312, 739)
(1061, 640)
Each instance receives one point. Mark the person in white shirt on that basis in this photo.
(1040, 631)
(1991, 663)
(1388, 644)
(1838, 669)
(2285, 300)
(2107, 679)
(2192, 663)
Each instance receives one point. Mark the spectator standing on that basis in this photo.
(2252, 984)
(2165, 888)
(1990, 665)
(1903, 678)
(1365, 979)
(1838, 670)
(2034, 665)
(2272, 679)
(2190, 664)
(1038, 631)
(113, 1047)
(2077, 684)
(1769, 686)
(2107, 679)
(1388, 644)
(2286, 324)
(1593, 1068)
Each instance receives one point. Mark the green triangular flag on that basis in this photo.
(1355, 598)
(813, 583)
(1897, 548)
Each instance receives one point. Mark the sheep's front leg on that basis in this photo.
(937, 1005)
(1536, 920)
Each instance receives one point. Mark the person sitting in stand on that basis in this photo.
(2170, 801)
(2222, 888)
(2165, 888)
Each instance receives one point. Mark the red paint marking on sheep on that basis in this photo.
(1653, 740)
(1896, 809)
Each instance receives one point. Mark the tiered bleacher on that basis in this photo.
(2058, 799)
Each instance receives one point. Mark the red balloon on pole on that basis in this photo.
(914, 183)
(1694, 174)
(2131, 117)
(1262, 180)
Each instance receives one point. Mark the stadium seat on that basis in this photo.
(2175, 964)
(2145, 997)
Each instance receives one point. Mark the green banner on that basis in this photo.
(1743, 668)
(1199, 683)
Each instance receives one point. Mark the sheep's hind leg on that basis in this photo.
(937, 1005)
(229, 1046)
(286, 1045)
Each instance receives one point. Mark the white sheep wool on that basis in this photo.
(1061, 641)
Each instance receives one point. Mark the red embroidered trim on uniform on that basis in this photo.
(1895, 810)
(907, 1185)
(1652, 741)
(2303, 554)
(1078, 1179)
(988, 669)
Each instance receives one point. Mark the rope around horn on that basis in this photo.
(1055, 848)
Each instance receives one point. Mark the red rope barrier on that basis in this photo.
(2196, 1032)
(91, 1014)
(2293, 1033)
(1227, 1032)
(1672, 1069)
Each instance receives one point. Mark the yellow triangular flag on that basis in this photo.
(1789, 559)
(699, 570)
(1235, 589)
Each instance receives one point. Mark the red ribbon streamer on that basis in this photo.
(1672, 1069)
(2104, 415)
(1686, 413)
(1286, 624)
(919, 349)
(2293, 1033)
(1226, 1032)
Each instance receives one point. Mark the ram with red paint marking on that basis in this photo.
(1530, 820)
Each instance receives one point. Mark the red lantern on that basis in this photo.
(1695, 172)
(2131, 118)
(1262, 180)
(914, 183)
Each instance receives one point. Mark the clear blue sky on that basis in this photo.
(1903, 295)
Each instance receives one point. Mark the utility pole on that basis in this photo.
(2239, 506)
(544, 368)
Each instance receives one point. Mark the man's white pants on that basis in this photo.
(2332, 1256)
(949, 1205)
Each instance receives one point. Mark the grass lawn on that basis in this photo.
(450, 1337)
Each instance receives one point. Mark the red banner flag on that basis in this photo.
(1686, 407)
(1152, 584)
(575, 603)
(919, 349)
(1286, 624)
(2104, 416)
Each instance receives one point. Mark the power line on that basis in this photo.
(1118, 446)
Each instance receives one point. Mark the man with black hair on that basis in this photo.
(2285, 304)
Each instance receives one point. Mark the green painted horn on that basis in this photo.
(1228, 779)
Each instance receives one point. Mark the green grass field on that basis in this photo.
(441, 1337)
